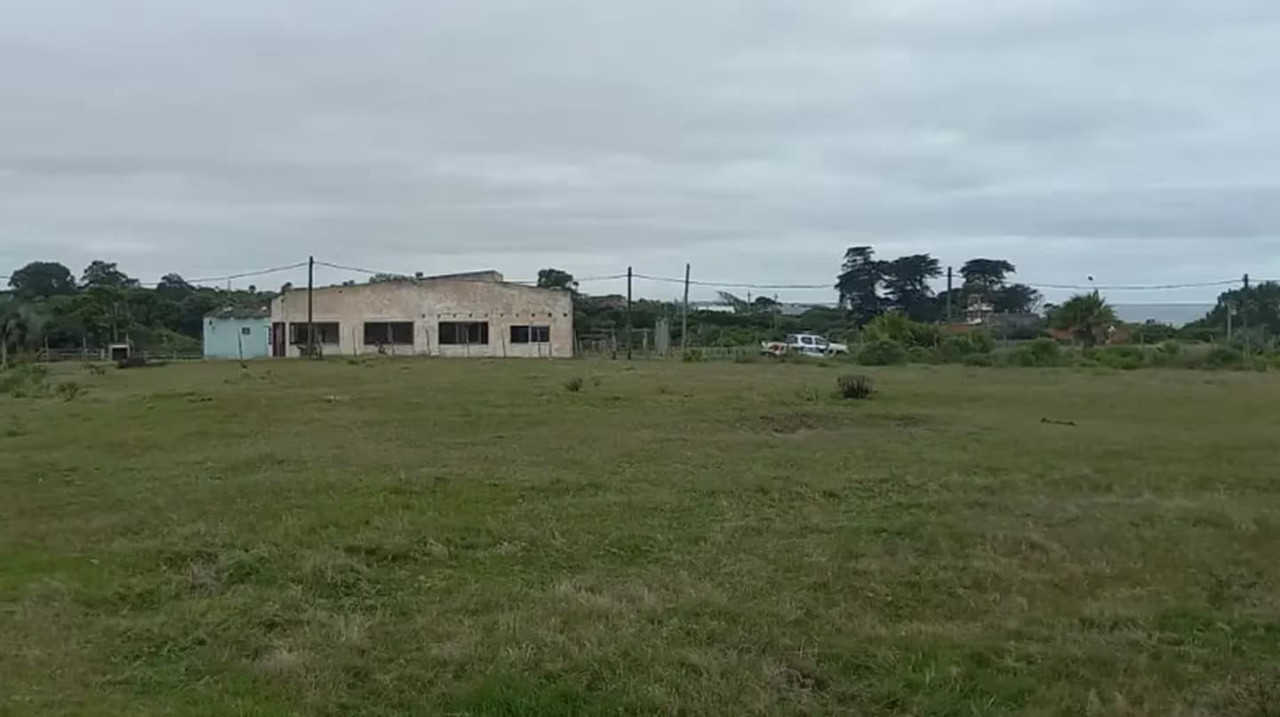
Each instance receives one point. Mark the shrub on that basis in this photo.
(882, 352)
(25, 379)
(855, 386)
(895, 326)
(954, 349)
(573, 385)
(68, 390)
(979, 360)
(982, 342)
(920, 354)
(1169, 353)
(1220, 357)
(1041, 352)
(1125, 358)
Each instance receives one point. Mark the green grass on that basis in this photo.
(452, 537)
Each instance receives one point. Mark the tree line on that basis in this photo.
(47, 305)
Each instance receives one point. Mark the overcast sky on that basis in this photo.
(1137, 141)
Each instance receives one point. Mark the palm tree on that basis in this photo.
(1088, 316)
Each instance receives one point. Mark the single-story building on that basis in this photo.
(236, 333)
(474, 314)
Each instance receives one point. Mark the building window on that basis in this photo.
(377, 333)
(530, 334)
(326, 333)
(464, 332)
(245, 331)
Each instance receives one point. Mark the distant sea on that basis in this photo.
(1176, 314)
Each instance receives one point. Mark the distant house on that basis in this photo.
(718, 307)
(234, 333)
(459, 315)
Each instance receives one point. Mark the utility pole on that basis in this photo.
(628, 313)
(1244, 314)
(684, 315)
(311, 327)
(948, 295)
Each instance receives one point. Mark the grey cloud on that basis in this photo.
(754, 140)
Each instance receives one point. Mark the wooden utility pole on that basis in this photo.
(948, 295)
(684, 316)
(311, 327)
(628, 313)
(1244, 314)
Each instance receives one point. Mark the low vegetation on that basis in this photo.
(856, 386)
(466, 537)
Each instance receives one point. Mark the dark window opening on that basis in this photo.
(464, 332)
(326, 333)
(245, 330)
(388, 332)
(530, 334)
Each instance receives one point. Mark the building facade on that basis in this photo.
(455, 316)
(237, 334)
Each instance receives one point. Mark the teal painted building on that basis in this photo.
(233, 333)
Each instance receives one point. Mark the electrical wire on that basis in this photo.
(712, 284)
(362, 270)
(1133, 287)
(247, 274)
(730, 285)
(1034, 285)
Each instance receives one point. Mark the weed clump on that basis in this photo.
(855, 386)
(573, 385)
(1041, 352)
(68, 390)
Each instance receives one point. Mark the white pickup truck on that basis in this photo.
(809, 344)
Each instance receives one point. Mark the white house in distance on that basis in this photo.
(476, 314)
(235, 332)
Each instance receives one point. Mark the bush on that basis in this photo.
(573, 385)
(895, 326)
(856, 386)
(1220, 357)
(1041, 352)
(920, 354)
(1125, 358)
(68, 390)
(27, 379)
(954, 349)
(982, 342)
(882, 352)
(979, 360)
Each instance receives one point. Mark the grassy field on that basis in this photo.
(451, 537)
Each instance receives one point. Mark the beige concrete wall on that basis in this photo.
(428, 303)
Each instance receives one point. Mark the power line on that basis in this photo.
(732, 285)
(246, 274)
(363, 270)
(1084, 287)
(1134, 287)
